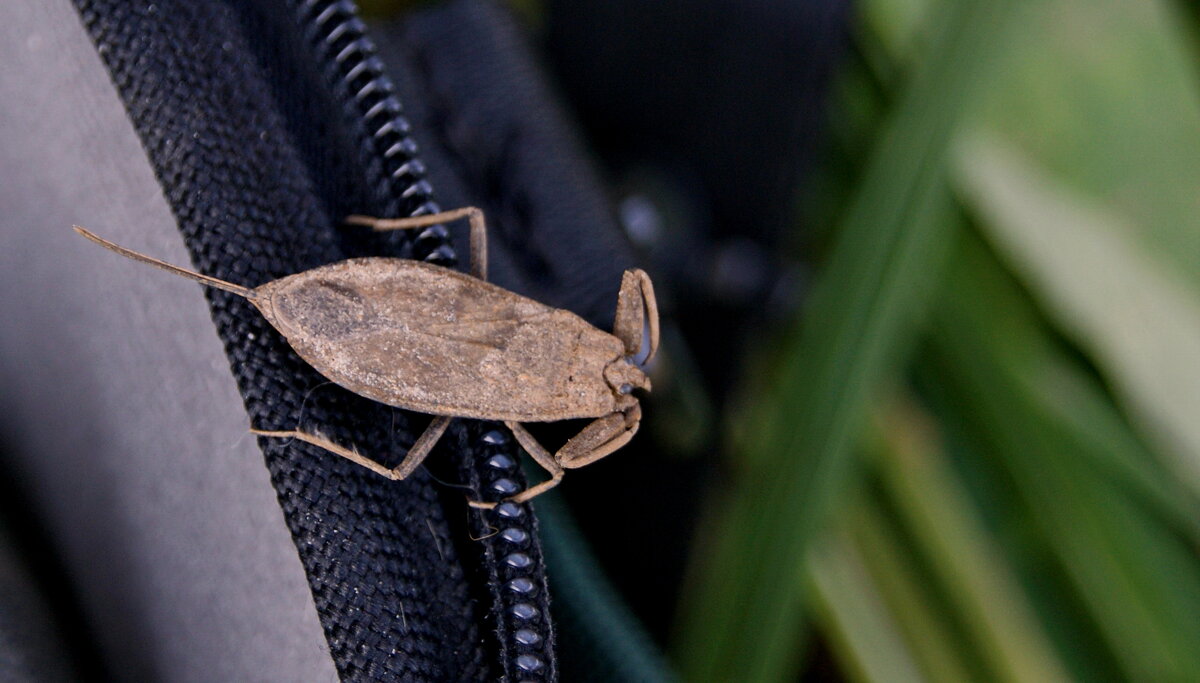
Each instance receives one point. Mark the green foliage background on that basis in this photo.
(976, 454)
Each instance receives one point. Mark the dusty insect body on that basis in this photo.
(434, 340)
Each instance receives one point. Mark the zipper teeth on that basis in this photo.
(356, 73)
(334, 29)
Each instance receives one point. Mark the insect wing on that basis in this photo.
(437, 341)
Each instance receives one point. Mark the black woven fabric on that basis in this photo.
(259, 162)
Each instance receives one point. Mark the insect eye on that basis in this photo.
(626, 388)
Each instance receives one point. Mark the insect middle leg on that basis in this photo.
(473, 215)
(599, 438)
(412, 460)
(540, 455)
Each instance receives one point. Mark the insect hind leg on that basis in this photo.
(412, 460)
(474, 218)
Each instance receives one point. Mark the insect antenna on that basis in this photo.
(189, 274)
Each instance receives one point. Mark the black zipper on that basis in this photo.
(396, 175)
(387, 151)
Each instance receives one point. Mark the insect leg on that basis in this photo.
(424, 443)
(322, 442)
(637, 308)
(536, 450)
(541, 456)
(599, 438)
(473, 215)
(413, 459)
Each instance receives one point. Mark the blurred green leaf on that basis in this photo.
(964, 560)
(1139, 325)
(1138, 580)
(848, 604)
(1083, 412)
(1105, 95)
(918, 609)
(742, 617)
(898, 25)
(1058, 536)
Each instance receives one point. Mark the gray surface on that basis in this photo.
(117, 399)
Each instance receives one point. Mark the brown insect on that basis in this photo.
(434, 340)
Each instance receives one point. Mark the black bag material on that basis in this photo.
(260, 160)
